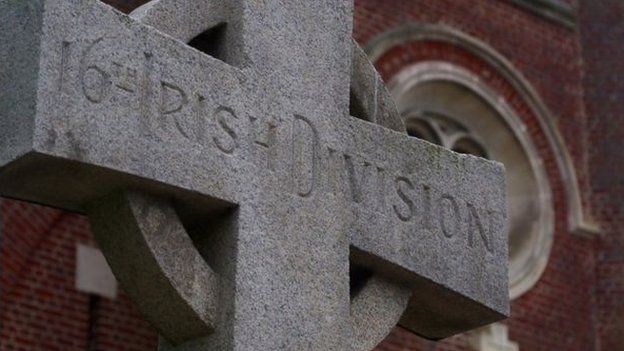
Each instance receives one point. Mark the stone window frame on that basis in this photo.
(557, 11)
(579, 220)
(437, 126)
(532, 269)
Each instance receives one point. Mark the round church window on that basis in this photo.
(449, 106)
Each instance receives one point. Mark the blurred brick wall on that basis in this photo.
(547, 54)
(557, 314)
(602, 33)
(41, 310)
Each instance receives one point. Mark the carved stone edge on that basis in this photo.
(380, 304)
(156, 263)
(370, 95)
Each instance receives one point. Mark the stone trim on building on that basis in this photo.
(494, 337)
(553, 10)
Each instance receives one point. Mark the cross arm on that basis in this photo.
(93, 101)
(427, 218)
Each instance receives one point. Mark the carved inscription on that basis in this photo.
(65, 53)
(304, 156)
(165, 109)
(127, 77)
(172, 98)
(404, 210)
(449, 215)
(174, 111)
(426, 217)
(145, 93)
(94, 80)
(354, 178)
(265, 136)
(226, 139)
(476, 228)
(97, 80)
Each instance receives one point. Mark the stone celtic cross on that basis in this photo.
(239, 203)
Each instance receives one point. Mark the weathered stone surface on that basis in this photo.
(155, 259)
(370, 99)
(257, 158)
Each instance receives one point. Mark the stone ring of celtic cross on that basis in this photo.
(241, 204)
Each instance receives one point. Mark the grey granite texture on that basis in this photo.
(156, 261)
(231, 195)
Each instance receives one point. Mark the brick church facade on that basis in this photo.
(551, 68)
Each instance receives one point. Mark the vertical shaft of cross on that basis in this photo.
(299, 60)
(301, 49)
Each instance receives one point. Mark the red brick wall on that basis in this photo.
(558, 313)
(602, 29)
(40, 306)
(573, 307)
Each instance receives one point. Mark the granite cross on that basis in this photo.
(215, 147)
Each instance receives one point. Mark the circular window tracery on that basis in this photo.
(450, 106)
(444, 131)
